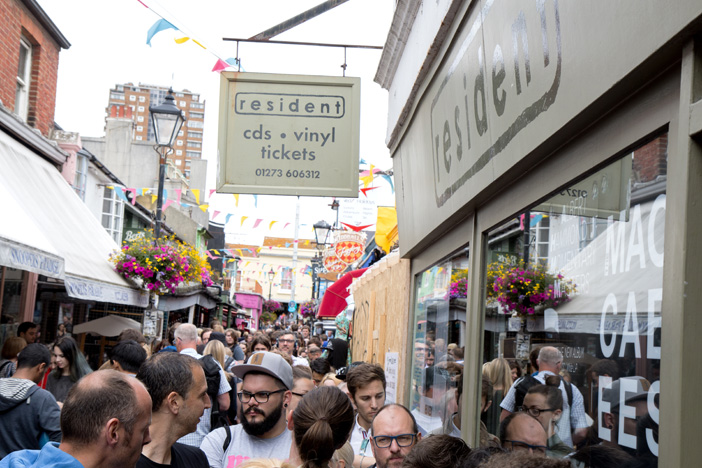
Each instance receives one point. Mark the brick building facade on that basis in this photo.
(29, 52)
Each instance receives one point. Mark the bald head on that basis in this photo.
(519, 430)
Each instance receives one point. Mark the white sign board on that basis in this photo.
(358, 212)
(289, 134)
(392, 366)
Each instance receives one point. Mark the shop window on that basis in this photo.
(24, 78)
(439, 342)
(112, 213)
(582, 272)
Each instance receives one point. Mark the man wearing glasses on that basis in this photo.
(394, 433)
(286, 343)
(265, 393)
(523, 432)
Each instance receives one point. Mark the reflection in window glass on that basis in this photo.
(439, 343)
(579, 277)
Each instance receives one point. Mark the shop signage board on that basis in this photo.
(392, 368)
(289, 134)
(358, 212)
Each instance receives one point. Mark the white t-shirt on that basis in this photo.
(243, 447)
(358, 435)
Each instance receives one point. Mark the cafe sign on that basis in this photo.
(349, 246)
(289, 134)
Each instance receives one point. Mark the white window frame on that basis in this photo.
(81, 178)
(142, 99)
(112, 217)
(132, 98)
(24, 80)
(286, 275)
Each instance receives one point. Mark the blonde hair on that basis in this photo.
(332, 377)
(499, 373)
(344, 453)
(215, 349)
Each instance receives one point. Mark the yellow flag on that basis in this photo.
(153, 199)
(367, 180)
(243, 218)
(182, 40)
(271, 225)
(204, 207)
(196, 192)
(215, 251)
(199, 44)
(236, 198)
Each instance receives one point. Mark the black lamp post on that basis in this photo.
(321, 234)
(271, 275)
(167, 121)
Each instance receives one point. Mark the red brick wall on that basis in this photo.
(17, 21)
(651, 160)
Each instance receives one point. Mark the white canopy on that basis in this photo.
(47, 219)
(110, 325)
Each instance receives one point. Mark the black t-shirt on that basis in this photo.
(182, 456)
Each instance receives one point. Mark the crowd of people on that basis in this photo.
(218, 398)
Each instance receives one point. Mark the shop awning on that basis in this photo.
(55, 224)
(168, 303)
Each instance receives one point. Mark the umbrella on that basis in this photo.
(334, 300)
(110, 325)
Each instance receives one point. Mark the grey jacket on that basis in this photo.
(26, 412)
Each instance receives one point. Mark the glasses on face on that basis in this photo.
(534, 411)
(519, 445)
(299, 394)
(385, 441)
(260, 397)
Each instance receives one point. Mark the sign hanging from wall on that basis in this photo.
(289, 134)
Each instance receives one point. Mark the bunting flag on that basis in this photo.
(182, 40)
(240, 253)
(365, 190)
(196, 42)
(236, 199)
(258, 221)
(133, 191)
(227, 219)
(255, 201)
(243, 218)
(270, 226)
(211, 192)
(167, 204)
(367, 180)
(196, 192)
(158, 26)
(209, 254)
(153, 199)
(235, 62)
(120, 193)
(215, 214)
(389, 179)
(143, 191)
(204, 208)
(362, 161)
(286, 225)
(179, 193)
(220, 65)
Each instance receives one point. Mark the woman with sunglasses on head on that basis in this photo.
(545, 403)
(321, 424)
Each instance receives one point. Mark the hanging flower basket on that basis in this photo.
(308, 309)
(272, 307)
(522, 290)
(161, 266)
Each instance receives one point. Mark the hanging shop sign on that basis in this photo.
(358, 213)
(289, 134)
(349, 246)
(333, 263)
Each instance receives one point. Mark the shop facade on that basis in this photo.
(547, 164)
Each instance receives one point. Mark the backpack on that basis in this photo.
(212, 376)
(522, 386)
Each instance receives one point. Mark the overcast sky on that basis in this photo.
(108, 47)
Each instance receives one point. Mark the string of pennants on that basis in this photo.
(163, 24)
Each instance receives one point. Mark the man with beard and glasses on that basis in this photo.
(265, 393)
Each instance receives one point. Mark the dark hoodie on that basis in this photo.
(26, 412)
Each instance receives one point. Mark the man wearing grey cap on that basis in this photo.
(265, 393)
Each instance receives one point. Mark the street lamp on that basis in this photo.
(167, 120)
(321, 232)
(271, 275)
